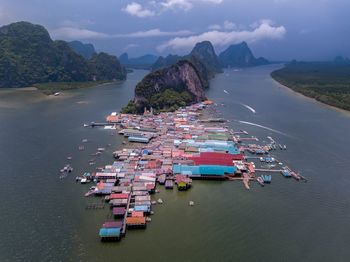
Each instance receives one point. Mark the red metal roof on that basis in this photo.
(118, 196)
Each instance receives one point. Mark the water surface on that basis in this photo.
(43, 218)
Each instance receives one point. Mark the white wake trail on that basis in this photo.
(249, 108)
(264, 127)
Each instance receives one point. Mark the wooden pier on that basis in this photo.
(269, 170)
(125, 216)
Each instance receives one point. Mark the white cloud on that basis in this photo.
(229, 25)
(72, 33)
(154, 33)
(174, 4)
(153, 8)
(130, 46)
(76, 23)
(136, 9)
(221, 38)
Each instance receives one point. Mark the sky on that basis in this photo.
(279, 30)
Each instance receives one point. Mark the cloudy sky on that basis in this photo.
(276, 29)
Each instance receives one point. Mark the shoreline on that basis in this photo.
(311, 99)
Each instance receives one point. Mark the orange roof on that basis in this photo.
(135, 220)
(111, 118)
(208, 102)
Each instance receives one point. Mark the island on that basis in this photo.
(29, 57)
(327, 82)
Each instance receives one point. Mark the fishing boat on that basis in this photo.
(260, 180)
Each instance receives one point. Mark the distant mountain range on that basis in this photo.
(180, 80)
(142, 62)
(85, 50)
(28, 56)
(238, 55)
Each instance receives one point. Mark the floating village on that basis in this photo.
(171, 149)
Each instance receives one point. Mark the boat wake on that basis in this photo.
(264, 127)
(226, 92)
(249, 108)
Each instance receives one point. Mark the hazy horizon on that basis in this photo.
(275, 29)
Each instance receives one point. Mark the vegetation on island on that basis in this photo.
(166, 101)
(53, 87)
(327, 82)
(167, 89)
(28, 56)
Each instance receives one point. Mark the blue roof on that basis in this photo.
(143, 208)
(212, 170)
(110, 232)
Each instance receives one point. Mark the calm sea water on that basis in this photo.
(43, 218)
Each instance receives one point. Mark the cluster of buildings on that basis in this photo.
(170, 149)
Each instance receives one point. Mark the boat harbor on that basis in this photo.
(171, 150)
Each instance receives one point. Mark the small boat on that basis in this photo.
(160, 201)
(260, 180)
(69, 158)
(84, 181)
(81, 148)
(280, 146)
(266, 178)
(154, 202)
(100, 149)
(148, 219)
(286, 173)
(57, 94)
(86, 125)
(285, 147)
(66, 169)
(295, 176)
(84, 140)
(191, 203)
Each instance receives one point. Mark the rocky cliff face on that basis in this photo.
(240, 55)
(168, 88)
(202, 56)
(205, 52)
